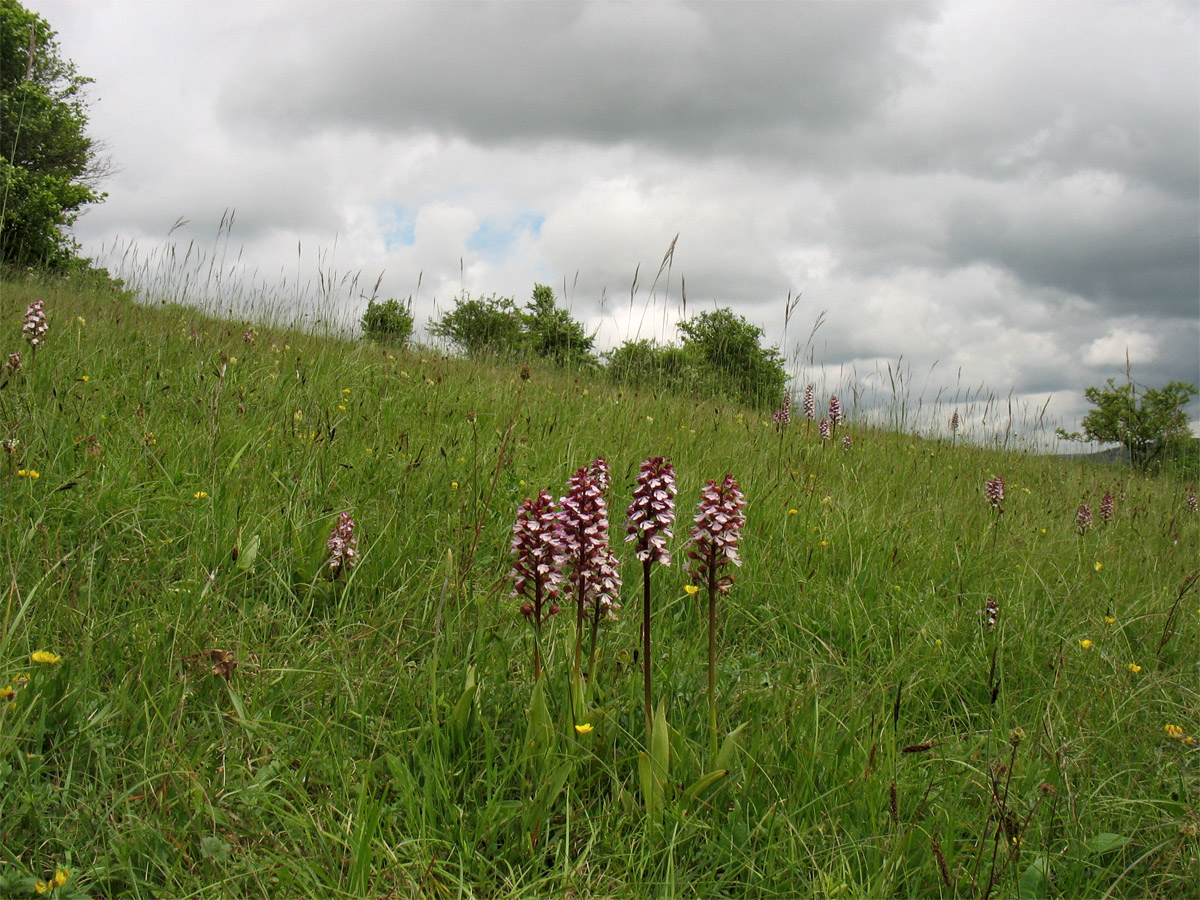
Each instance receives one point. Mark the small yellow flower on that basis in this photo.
(650, 420)
(8, 693)
(585, 728)
(1085, 644)
(1134, 668)
(41, 887)
(792, 512)
(1099, 566)
(1110, 620)
(29, 473)
(824, 543)
(84, 378)
(81, 320)
(199, 495)
(1043, 531)
(369, 450)
(827, 501)
(454, 485)
(341, 407)
(691, 589)
(45, 656)
(346, 390)
(60, 877)
(1174, 731)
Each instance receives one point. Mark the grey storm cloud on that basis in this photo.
(994, 192)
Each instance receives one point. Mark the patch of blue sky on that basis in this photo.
(494, 236)
(398, 227)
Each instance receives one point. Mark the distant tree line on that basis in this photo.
(719, 353)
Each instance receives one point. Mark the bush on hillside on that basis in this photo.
(388, 322)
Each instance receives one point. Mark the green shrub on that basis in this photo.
(388, 322)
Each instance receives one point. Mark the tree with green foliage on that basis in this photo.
(388, 322)
(730, 346)
(483, 326)
(1151, 426)
(552, 333)
(48, 165)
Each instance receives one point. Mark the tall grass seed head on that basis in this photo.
(716, 532)
(652, 512)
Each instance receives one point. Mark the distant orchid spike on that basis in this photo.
(652, 512)
(14, 363)
(836, 416)
(1106, 507)
(994, 490)
(991, 612)
(810, 403)
(955, 422)
(1192, 503)
(824, 430)
(715, 533)
(783, 415)
(342, 545)
(34, 327)
(1083, 517)
(847, 443)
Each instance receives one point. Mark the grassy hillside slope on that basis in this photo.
(223, 718)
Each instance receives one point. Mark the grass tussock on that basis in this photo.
(931, 694)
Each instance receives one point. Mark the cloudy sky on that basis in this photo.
(1003, 194)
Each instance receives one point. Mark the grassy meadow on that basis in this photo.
(210, 714)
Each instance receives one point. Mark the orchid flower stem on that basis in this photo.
(647, 565)
(712, 663)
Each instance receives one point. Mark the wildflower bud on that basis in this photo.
(527, 609)
(554, 609)
(1016, 736)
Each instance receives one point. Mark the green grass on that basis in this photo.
(380, 735)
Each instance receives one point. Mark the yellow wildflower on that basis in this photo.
(41, 887)
(341, 407)
(84, 378)
(1134, 668)
(1085, 644)
(585, 728)
(827, 501)
(45, 656)
(1174, 731)
(454, 485)
(345, 390)
(199, 495)
(792, 512)
(824, 543)
(1110, 620)
(1099, 566)
(29, 473)
(691, 589)
(7, 693)
(60, 877)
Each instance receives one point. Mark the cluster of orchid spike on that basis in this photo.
(1106, 507)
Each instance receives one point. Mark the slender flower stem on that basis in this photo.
(647, 565)
(712, 663)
